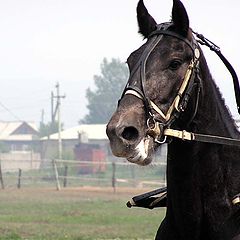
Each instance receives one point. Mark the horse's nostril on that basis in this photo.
(130, 133)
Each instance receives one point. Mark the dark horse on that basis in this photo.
(170, 87)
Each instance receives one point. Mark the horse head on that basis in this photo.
(158, 89)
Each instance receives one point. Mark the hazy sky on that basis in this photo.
(45, 41)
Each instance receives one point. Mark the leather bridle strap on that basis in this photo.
(153, 105)
(172, 34)
(140, 91)
(184, 135)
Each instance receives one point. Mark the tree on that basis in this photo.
(109, 86)
(48, 129)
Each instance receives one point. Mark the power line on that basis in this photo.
(28, 106)
(10, 112)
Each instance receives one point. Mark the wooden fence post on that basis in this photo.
(1, 177)
(19, 178)
(56, 174)
(65, 176)
(132, 167)
(114, 176)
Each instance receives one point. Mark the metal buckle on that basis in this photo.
(161, 142)
(155, 130)
(151, 118)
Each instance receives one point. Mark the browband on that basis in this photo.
(172, 34)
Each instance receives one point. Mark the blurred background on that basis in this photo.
(62, 70)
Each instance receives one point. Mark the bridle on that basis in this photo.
(160, 128)
(154, 124)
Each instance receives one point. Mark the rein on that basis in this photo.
(204, 41)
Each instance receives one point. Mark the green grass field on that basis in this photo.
(77, 214)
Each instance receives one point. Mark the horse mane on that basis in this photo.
(221, 110)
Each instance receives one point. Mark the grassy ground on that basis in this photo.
(77, 214)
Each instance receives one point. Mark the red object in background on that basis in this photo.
(92, 157)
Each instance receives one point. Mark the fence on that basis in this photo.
(72, 173)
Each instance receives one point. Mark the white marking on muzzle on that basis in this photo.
(140, 152)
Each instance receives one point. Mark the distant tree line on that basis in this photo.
(102, 100)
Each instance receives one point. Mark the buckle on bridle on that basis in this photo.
(155, 130)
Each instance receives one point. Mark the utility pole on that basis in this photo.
(52, 106)
(58, 113)
(42, 116)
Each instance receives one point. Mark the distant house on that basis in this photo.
(18, 136)
(19, 146)
(85, 133)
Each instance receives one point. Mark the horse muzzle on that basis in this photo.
(130, 141)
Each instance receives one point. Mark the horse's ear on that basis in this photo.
(180, 18)
(146, 22)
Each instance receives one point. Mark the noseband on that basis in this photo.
(179, 104)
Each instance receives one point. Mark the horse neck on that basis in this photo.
(213, 116)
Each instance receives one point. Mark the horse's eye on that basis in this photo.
(175, 64)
